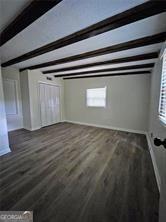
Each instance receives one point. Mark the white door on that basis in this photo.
(158, 127)
(49, 104)
(161, 133)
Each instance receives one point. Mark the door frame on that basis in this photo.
(60, 98)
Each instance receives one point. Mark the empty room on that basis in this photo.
(83, 111)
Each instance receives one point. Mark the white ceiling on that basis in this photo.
(70, 16)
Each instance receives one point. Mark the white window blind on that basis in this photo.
(162, 106)
(96, 97)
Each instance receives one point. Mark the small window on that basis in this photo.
(96, 97)
(162, 106)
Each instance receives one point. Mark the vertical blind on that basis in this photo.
(162, 107)
(96, 97)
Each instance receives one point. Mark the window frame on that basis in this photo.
(162, 120)
(96, 106)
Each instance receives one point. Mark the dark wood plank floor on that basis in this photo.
(75, 173)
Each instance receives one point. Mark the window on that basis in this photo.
(162, 106)
(96, 97)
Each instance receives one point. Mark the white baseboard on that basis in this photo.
(10, 130)
(4, 151)
(39, 127)
(36, 128)
(156, 171)
(107, 127)
(31, 129)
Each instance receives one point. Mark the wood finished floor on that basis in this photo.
(75, 173)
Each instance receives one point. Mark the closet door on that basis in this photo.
(49, 102)
(43, 105)
(49, 98)
(53, 104)
(56, 104)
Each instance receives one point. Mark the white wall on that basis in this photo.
(127, 102)
(4, 144)
(14, 121)
(157, 128)
(30, 93)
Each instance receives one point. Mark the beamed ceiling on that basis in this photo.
(82, 38)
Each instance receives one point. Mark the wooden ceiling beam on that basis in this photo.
(108, 75)
(30, 14)
(148, 40)
(152, 55)
(134, 14)
(123, 68)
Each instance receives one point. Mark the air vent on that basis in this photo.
(49, 78)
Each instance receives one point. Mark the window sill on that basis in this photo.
(96, 106)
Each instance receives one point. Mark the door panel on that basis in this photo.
(42, 105)
(53, 110)
(57, 105)
(50, 104)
